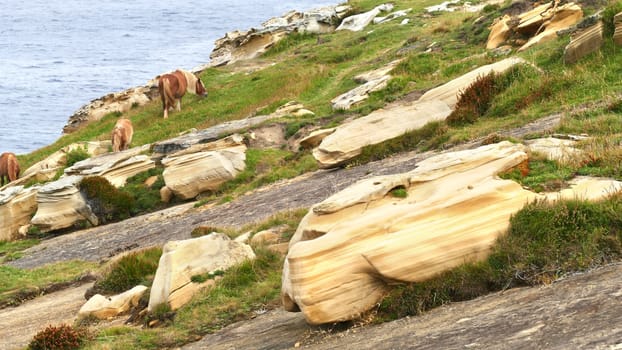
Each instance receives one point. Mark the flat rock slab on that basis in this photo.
(580, 312)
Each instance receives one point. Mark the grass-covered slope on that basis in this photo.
(313, 69)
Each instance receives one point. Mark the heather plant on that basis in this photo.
(62, 337)
(106, 201)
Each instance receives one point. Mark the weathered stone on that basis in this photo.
(181, 260)
(384, 124)
(391, 16)
(270, 236)
(214, 133)
(104, 308)
(560, 150)
(188, 175)
(376, 73)
(359, 22)
(583, 43)
(16, 208)
(457, 5)
(347, 247)
(315, 138)
(166, 194)
(243, 45)
(358, 94)
(617, 34)
(61, 205)
(268, 136)
(500, 31)
(115, 102)
(115, 167)
(554, 20)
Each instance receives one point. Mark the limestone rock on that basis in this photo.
(104, 308)
(46, 169)
(187, 175)
(457, 5)
(391, 16)
(315, 137)
(500, 32)
(243, 45)
(358, 94)
(555, 149)
(583, 43)
(268, 136)
(17, 205)
(554, 20)
(270, 236)
(166, 194)
(384, 124)
(61, 205)
(376, 73)
(359, 22)
(181, 260)
(115, 167)
(617, 34)
(348, 249)
(214, 133)
(115, 102)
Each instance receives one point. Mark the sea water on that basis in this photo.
(56, 56)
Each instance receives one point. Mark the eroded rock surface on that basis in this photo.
(103, 307)
(17, 205)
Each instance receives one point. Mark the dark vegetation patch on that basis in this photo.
(107, 202)
(62, 337)
(541, 175)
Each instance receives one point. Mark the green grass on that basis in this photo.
(13, 250)
(129, 271)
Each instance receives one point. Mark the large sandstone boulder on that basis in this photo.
(348, 139)
(103, 308)
(61, 205)
(359, 22)
(243, 45)
(349, 249)
(188, 174)
(584, 42)
(116, 167)
(181, 260)
(17, 205)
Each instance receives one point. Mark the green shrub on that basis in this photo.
(63, 337)
(106, 201)
(607, 17)
(145, 198)
(129, 271)
(474, 101)
(77, 155)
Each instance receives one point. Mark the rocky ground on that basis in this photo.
(580, 311)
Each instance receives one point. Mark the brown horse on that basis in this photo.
(122, 135)
(173, 87)
(9, 167)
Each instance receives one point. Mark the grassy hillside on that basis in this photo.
(313, 69)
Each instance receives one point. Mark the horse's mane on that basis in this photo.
(191, 79)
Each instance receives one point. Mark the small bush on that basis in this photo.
(63, 337)
(399, 192)
(127, 272)
(106, 201)
(474, 101)
(77, 155)
(145, 198)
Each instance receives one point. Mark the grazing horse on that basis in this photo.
(173, 87)
(9, 167)
(122, 135)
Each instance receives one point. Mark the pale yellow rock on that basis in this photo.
(166, 194)
(104, 308)
(181, 260)
(347, 100)
(17, 205)
(348, 249)
(60, 205)
(564, 17)
(315, 137)
(560, 150)
(46, 169)
(377, 73)
(530, 21)
(190, 174)
(499, 32)
(584, 42)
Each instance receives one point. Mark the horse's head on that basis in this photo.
(200, 88)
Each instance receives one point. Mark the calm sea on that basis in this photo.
(57, 55)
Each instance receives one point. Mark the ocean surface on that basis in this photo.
(58, 55)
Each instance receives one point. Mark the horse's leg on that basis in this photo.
(178, 102)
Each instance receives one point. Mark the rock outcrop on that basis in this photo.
(243, 45)
(584, 42)
(116, 167)
(372, 81)
(181, 260)
(348, 139)
(348, 249)
(17, 205)
(103, 308)
(61, 205)
(115, 102)
(538, 25)
(359, 22)
(204, 167)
